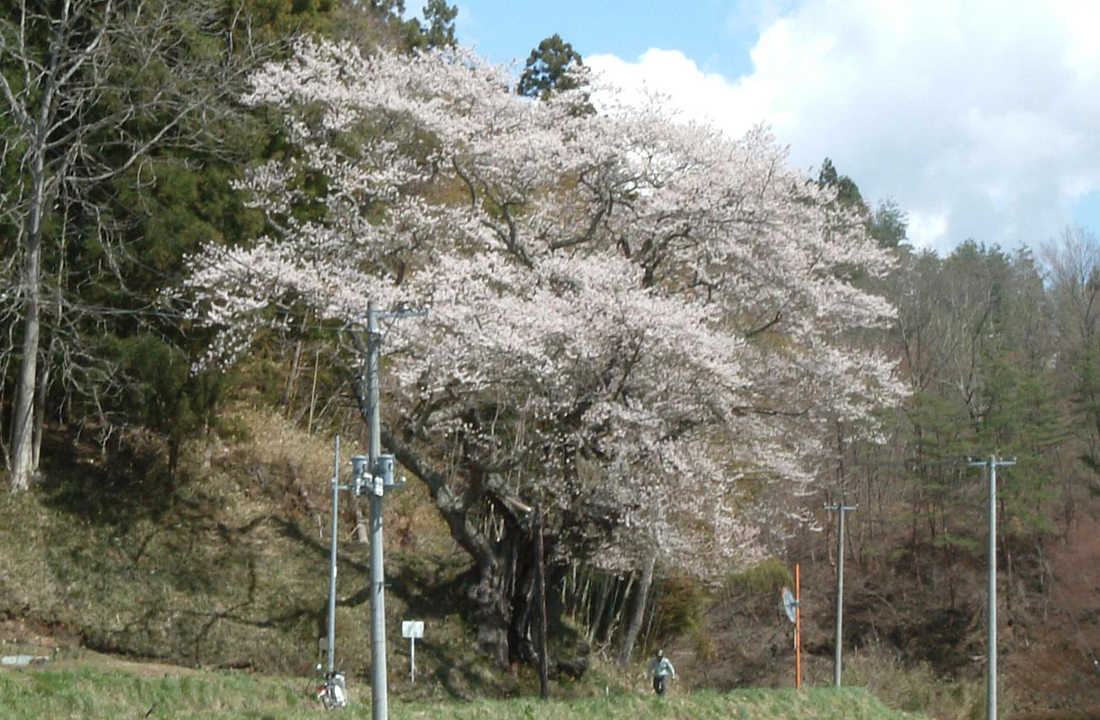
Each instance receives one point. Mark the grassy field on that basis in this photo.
(94, 693)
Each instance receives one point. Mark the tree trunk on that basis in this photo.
(606, 623)
(635, 625)
(652, 615)
(39, 413)
(581, 600)
(617, 616)
(313, 390)
(5, 449)
(601, 607)
(502, 592)
(22, 444)
(523, 636)
(292, 377)
(544, 642)
(492, 612)
(488, 597)
(208, 449)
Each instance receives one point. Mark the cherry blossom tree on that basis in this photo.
(635, 322)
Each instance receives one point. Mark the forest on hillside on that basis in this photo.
(671, 342)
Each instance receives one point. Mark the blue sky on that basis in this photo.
(980, 118)
(710, 31)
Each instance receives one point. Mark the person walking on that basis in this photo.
(660, 667)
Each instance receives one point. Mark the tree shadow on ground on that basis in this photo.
(118, 483)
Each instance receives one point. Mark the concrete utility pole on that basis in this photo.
(991, 646)
(336, 488)
(379, 707)
(373, 477)
(841, 508)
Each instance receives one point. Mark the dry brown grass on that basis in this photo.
(916, 687)
(227, 565)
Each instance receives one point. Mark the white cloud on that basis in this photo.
(978, 116)
(695, 94)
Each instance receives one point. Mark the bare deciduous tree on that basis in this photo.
(91, 87)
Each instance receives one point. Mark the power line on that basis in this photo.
(908, 462)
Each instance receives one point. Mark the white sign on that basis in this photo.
(412, 629)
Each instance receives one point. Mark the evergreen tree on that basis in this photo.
(548, 69)
(847, 192)
(440, 25)
(139, 138)
(888, 224)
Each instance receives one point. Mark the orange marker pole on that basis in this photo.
(797, 627)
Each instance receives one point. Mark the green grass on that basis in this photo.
(753, 704)
(91, 693)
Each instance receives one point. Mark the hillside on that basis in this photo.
(913, 642)
(226, 568)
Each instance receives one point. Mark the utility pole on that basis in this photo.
(991, 647)
(379, 707)
(841, 508)
(336, 488)
(373, 477)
